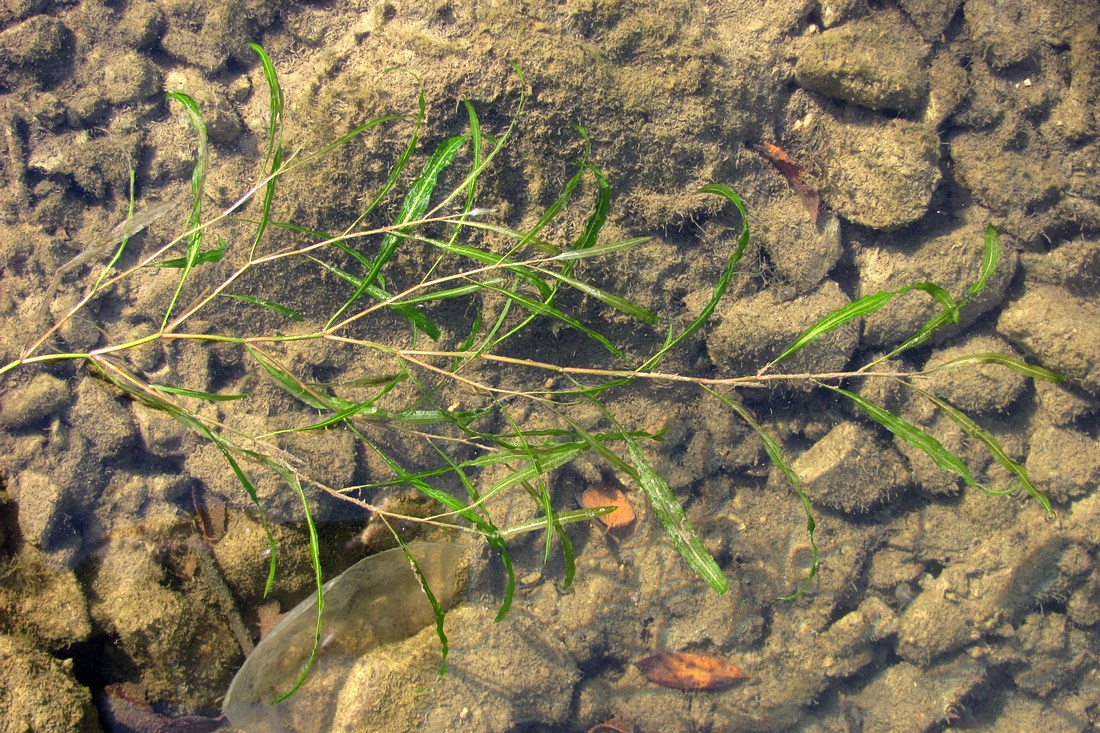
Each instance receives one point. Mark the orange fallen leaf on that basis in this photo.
(794, 173)
(606, 495)
(612, 726)
(686, 671)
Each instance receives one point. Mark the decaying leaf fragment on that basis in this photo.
(612, 726)
(687, 671)
(793, 171)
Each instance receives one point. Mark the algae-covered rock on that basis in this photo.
(921, 699)
(1005, 179)
(162, 616)
(878, 62)
(1074, 264)
(45, 510)
(36, 47)
(756, 329)
(851, 470)
(43, 603)
(960, 607)
(1005, 30)
(878, 172)
(1064, 461)
(102, 418)
(24, 406)
(1062, 404)
(95, 163)
(977, 388)
(931, 17)
(41, 692)
(1060, 329)
(800, 252)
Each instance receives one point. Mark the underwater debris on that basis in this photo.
(687, 671)
(602, 495)
(794, 172)
(376, 601)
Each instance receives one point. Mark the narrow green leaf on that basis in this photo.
(775, 453)
(573, 516)
(273, 158)
(680, 530)
(836, 319)
(416, 200)
(413, 207)
(198, 183)
(177, 263)
(348, 412)
(661, 498)
(475, 149)
(526, 238)
(527, 472)
(282, 310)
(402, 160)
(991, 255)
(595, 221)
(449, 293)
(566, 553)
(286, 380)
(1012, 362)
(602, 249)
(150, 397)
(552, 455)
(864, 306)
(563, 199)
(494, 536)
(542, 309)
(615, 301)
(315, 559)
(723, 282)
(911, 434)
(417, 318)
(995, 449)
(223, 447)
(211, 396)
(437, 609)
(538, 491)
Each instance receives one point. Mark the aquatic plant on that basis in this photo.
(496, 282)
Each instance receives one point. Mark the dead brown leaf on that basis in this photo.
(687, 671)
(794, 172)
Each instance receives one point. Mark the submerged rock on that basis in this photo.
(977, 388)
(500, 677)
(41, 397)
(756, 329)
(851, 470)
(1064, 461)
(879, 173)
(1060, 329)
(877, 63)
(40, 692)
(931, 17)
(376, 601)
